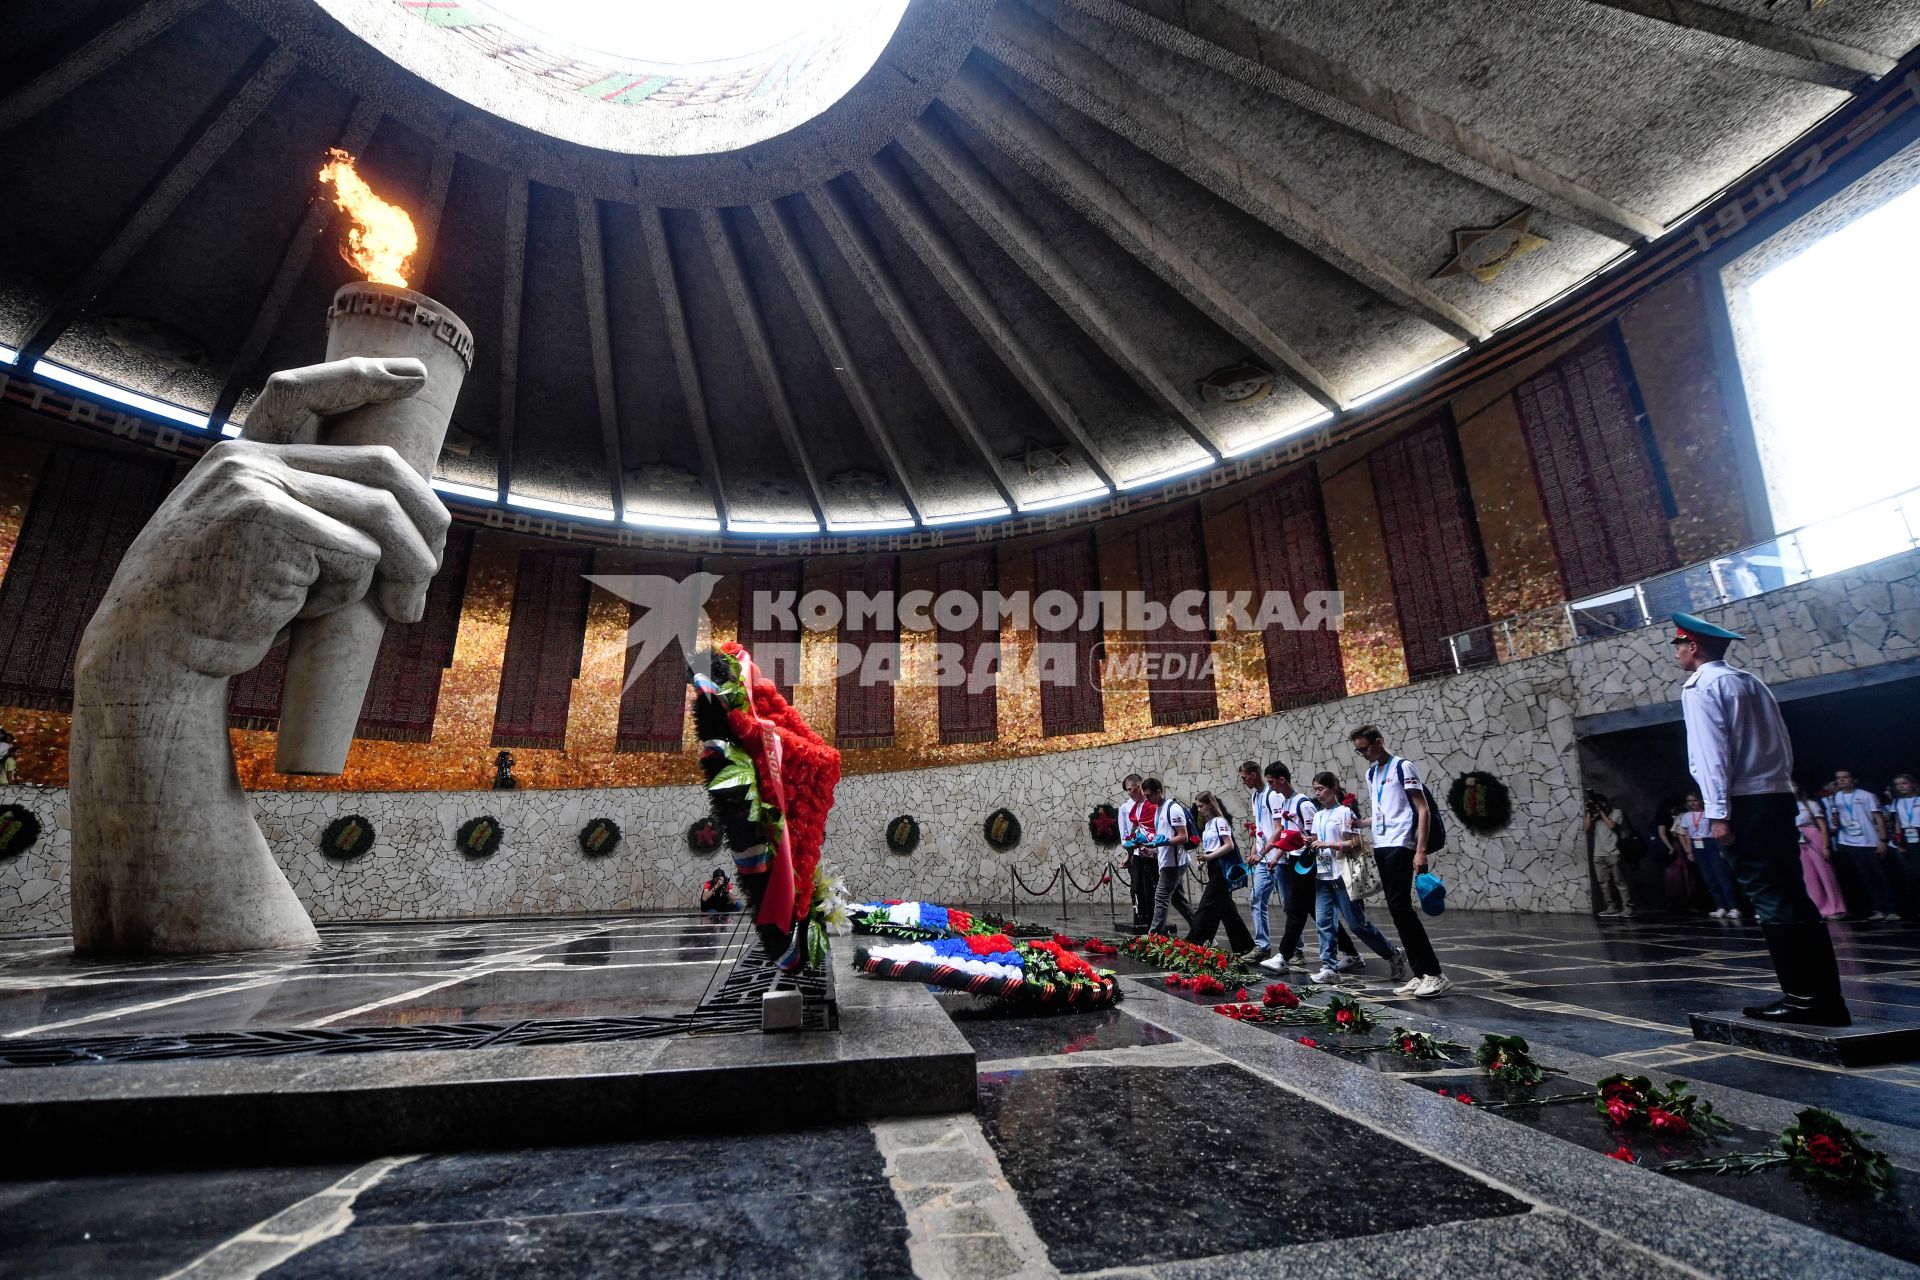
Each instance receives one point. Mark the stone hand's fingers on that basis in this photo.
(294, 400)
(406, 561)
(378, 467)
(344, 557)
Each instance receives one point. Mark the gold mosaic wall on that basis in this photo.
(1666, 338)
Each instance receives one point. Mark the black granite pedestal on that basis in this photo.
(1869, 1042)
(408, 1039)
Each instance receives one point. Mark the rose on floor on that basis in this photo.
(1507, 1058)
(1637, 1102)
(1346, 1015)
(1420, 1046)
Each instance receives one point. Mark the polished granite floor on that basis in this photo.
(374, 976)
(1154, 1139)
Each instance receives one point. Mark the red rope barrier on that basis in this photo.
(1038, 893)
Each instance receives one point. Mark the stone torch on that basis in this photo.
(330, 659)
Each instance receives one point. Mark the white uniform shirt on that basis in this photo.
(1851, 813)
(1218, 835)
(1696, 825)
(1396, 824)
(1266, 816)
(1172, 855)
(1737, 743)
(1130, 819)
(1336, 823)
(1906, 815)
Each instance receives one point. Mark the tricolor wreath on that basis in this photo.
(946, 947)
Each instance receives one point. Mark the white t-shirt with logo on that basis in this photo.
(1173, 855)
(1906, 816)
(1218, 835)
(1336, 823)
(1852, 813)
(1396, 823)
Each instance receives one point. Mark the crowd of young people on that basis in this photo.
(1859, 854)
(1310, 846)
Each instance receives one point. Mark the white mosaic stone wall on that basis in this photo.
(1864, 617)
(1515, 722)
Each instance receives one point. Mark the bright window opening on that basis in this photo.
(1832, 368)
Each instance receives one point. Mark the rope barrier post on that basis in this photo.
(1013, 894)
(1065, 920)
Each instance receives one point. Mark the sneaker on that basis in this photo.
(1352, 964)
(1325, 976)
(1399, 972)
(1437, 984)
(1274, 964)
(1611, 915)
(1412, 985)
(1883, 915)
(1256, 955)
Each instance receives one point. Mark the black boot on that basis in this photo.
(1809, 976)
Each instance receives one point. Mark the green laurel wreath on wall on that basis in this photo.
(1481, 802)
(599, 836)
(479, 837)
(1001, 829)
(903, 835)
(18, 829)
(347, 836)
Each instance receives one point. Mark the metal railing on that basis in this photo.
(1861, 536)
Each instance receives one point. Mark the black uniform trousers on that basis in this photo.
(1217, 907)
(1143, 879)
(1764, 856)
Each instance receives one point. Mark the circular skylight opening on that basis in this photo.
(644, 77)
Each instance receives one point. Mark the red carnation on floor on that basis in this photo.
(1310, 1042)
(1826, 1151)
(1623, 1155)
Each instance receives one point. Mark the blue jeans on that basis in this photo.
(1265, 880)
(1333, 901)
(1714, 870)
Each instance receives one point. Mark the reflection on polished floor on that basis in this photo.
(376, 975)
(1155, 1139)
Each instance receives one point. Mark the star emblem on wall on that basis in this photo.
(1484, 252)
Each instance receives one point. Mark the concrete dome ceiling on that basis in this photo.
(1042, 248)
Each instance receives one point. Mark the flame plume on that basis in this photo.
(381, 243)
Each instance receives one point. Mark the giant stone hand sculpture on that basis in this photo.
(166, 855)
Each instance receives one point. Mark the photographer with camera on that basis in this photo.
(716, 895)
(1612, 892)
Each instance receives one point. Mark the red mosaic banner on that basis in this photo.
(863, 708)
(1173, 559)
(86, 511)
(1595, 474)
(1291, 554)
(1420, 489)
(653, 707)
(545, 636)
(1071, 566)
(967, 713)
(404, 694)
(775, 646)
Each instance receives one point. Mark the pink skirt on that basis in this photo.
(1821, 886)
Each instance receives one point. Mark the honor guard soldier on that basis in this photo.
(1738, 750)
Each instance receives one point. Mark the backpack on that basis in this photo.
(1193, 827)
(1436, 829)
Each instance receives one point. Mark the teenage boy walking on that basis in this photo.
(1172, 825)
(1400, 824)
